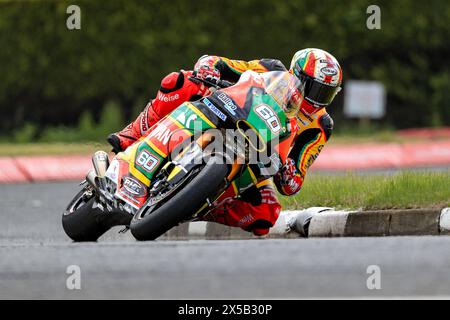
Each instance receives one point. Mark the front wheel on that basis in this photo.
(185, 203)
(82, 222)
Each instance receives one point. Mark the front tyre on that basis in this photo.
(82, 222)
(183, 205)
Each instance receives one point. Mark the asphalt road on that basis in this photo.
(35, 255)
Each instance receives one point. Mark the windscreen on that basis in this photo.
(286, 90)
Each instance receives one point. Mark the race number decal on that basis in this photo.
(269, 117)
(147, 161)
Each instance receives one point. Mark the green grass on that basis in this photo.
(403, 190)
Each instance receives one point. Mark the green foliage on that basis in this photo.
(86, 126)
(50, 75)
(111, 118)
(25, 134)
(87, 129)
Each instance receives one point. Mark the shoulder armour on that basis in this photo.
(327, 124)
(272, 64)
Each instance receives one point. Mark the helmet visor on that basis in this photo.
(316, 92)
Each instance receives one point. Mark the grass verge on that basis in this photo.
(350, 191)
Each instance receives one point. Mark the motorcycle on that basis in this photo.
(239, 135)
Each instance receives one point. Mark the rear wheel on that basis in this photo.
(150, 223)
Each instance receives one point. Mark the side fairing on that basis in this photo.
(149, 155)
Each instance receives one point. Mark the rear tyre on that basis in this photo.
(183, 205)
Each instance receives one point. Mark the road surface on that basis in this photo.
(35, 257)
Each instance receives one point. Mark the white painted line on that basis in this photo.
(328, 223)
(197, 228)
(444, 221)
(280, 226)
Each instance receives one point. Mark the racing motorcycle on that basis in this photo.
(240, 135)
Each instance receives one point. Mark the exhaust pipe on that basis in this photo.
(100, 161)
(90, 179)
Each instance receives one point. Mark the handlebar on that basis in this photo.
(219, 85)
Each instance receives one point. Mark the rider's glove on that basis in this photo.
(288, 179)
(205, 69)
(287, 171)
(205, 72)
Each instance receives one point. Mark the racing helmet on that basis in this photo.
(321, 77)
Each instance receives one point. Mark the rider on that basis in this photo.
(256, 209)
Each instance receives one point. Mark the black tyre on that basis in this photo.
(82, 222)
(186, 202)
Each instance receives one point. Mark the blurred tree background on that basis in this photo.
(58, 84)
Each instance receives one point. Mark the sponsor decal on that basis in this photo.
(269, 117)
(329, 71)
(213, 108)
(167, 98)
(246, 220)
(300, 121)
(228, 103)
(113, 171)
(134, 187)
(311, 160)
(293, 185)
(147, 161)
(161, 133)
(144, 118)
(186, 122)
(167, 134)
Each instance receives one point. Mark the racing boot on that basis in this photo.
(131, 133)
(122, 139)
